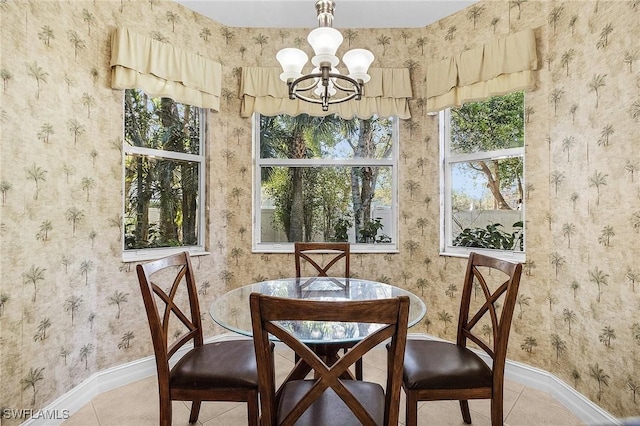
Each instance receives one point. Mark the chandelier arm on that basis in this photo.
(356, 86)
(331, 101)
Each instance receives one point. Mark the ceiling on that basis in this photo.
(348, 13)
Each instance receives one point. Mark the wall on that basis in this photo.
(49, 176)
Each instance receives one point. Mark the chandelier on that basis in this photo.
(325, 85)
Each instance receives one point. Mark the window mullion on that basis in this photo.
(150, 152)
(486, 155)
(317, 162)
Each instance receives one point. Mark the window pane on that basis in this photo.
(495, 124)
(161, 202)
(161, 123)
(324, 204)
(331, 137)
(486, 204)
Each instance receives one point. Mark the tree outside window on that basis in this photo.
(163, 173)
(325, 179)
(483, 171)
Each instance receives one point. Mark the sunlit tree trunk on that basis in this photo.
(493, 184)
(363, 179)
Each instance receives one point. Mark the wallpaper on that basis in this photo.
(70, 308)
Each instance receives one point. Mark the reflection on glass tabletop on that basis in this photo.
(231, 310)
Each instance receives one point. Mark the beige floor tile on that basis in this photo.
(85, 416)
(514, 386)
(234, 417)
(211, 409)
(135, 405)
(536, 408)
(447, 413)
(483, 406)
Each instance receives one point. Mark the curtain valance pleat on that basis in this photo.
(496, 68)
(386, 94)
(163, 70)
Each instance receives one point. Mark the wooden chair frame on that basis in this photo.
(266, 311)
(306, 250)
(159, 324)
(497, 350)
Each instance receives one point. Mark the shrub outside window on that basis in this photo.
(325, 179)
(482, 175)
(163, 176)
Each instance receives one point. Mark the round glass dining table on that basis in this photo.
(231, 310)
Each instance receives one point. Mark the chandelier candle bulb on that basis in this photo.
(358, 62)
(292, 61)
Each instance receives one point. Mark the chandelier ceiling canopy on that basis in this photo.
(325, 84)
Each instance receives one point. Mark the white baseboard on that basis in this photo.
(121, 375)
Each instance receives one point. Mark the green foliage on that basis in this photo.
(369, 232)
(496, 123)
(341, 229)
(491, 237)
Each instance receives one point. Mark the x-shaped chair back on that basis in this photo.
(270, 315)
(310, 251)
(494, 301)
(161, 303)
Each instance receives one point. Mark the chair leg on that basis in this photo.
(496, 412)
(195, 411)
(464, 407)
(165, 410)
(412, 409)
(359, 369)
(253, 414)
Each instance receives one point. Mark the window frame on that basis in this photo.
(135, 255)
(287, 247)
(446, 160)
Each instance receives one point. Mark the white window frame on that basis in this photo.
(446, 226)
(260, 247)
(136, 255)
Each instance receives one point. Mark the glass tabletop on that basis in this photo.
(231, 310)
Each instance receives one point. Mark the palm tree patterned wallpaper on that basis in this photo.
(70, 308)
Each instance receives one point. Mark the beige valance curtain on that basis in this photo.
(386, 94)
(163, 70)
(496, 68)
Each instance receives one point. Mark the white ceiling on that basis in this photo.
(348, 13)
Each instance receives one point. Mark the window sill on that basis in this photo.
(511, 256)
(130, 256)
(354, 248)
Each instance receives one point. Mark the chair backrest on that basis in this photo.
(488, 301)
(310, 252)
(164, 303)
(267, 316)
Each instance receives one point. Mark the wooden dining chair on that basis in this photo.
(322, 257)
(328, 398)
(436, 370)
(338, 253)
(220, 371)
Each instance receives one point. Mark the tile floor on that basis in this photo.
(137, 405)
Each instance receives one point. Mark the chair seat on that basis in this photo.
(226, 364)
(329, 409)
(440, 365)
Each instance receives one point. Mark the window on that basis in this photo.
(325, 179)
(482, 150)
(163, 176)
